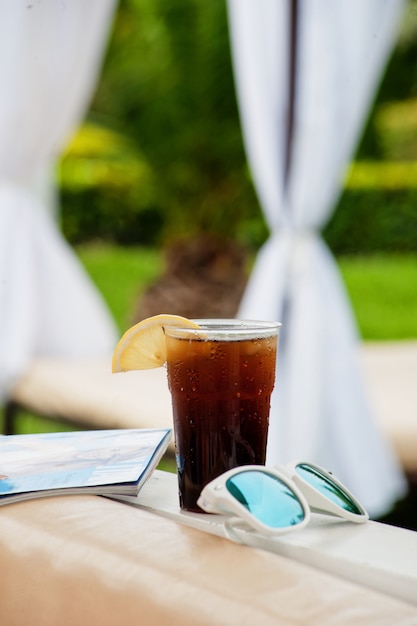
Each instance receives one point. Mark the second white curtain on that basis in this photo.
(319, 409)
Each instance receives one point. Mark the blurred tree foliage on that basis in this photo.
(398, 85)
(167, 85)
(161, 155)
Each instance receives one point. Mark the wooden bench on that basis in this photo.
(390, 371)
(86, 394)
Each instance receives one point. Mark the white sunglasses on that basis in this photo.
(274, 501)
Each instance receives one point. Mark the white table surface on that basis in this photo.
(378, 556)
(90, 560)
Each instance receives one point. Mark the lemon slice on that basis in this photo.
(143, 345)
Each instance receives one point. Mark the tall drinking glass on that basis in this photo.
(221, 377)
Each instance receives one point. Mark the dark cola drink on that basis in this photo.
(221, 380)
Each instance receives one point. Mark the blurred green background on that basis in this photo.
(160, 156)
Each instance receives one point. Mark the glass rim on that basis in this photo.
(225, 328)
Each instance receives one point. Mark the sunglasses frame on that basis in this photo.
(316, 500)
(215, 498)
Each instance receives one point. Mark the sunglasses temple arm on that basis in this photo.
(321, 503)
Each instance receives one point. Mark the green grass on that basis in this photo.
(383, 289)
(121, 274)
(383, 292)
(27, 422)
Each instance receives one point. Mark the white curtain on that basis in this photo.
(319, 408)
(50, 55)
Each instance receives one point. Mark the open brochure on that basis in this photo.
(103, 462)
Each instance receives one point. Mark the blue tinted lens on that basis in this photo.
(267, 497)
(327, 487)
